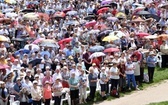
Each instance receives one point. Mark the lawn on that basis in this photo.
(160, 103)
(160, 75)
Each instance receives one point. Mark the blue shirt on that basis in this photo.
(74, 82)
(151, 61)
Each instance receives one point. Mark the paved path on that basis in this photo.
(156, 93)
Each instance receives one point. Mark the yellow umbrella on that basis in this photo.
(30, 16)
(121, 15)
(3, 39)
(10, 1)
(110, 38)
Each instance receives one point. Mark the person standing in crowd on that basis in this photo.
(151, 63)
(92, 83)
(24, 96)
(122, 80)
(86, 59)
(36, 93)
(47, 93)
(17, 87)
(57, 89)
(3, 94)
(74, 89)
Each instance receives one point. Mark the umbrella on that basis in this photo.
(117, 33)
(93, 31)
(72, 13)
(34, 47)
(3, 39)
(109, 50)
(2, 67)
(66, 10)
(72, 23)
(8, 10)
(96, 54)
(113, 5)
(120, 15)
(30, 16)
(90, 17)
(38, 41)
(24, 51)
(142, 34)
(110, 38)
(11, 14)
(165, 5)
(114, 19)
(59, 15)
(66, 40)
(48, 44)
(48, 41)
(96, 49)
(17, 39)
(151, 37)
(110, 45)
(105, 6)
(106, 2)
(138, 20)
(100, 27)
(44, 16)
(143, 13)
(27, 10)
(138, 5)
(104, 32)
(48, 11)
(10, 1)
(36, 61)
(139, 8)
(156, 17)
(137, 54)
(5, 20)
(102, 10)
(90, 24)
(163, 36)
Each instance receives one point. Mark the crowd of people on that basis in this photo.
(50, 48)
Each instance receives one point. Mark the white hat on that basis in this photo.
(131, 38)
(103, 68)
(28, 70)
(94, 64)
(16, 60)
(47, 67)
(46, 82)
(18, 79)
(34, 82)
(58, 68)
(151, 53)
(21, 68)
(56, 60)
(36, 76)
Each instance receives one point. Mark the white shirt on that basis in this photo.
(128, 66)
(36, 93)
(114, 70)
(57, 75)
(28, 85)
(137, 68)
(103, 76)
(57, 87)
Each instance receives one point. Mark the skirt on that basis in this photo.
(74, 94)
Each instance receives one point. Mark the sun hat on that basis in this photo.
(151, 53)
(35, 82)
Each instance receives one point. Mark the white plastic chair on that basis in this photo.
(11, 99)
(159, 59)
(67, 98)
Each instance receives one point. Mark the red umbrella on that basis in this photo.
(138, 55)
(142, 34)
(102, 10)
(2, 67)
(90, 24)
(109, 50)
(66, 40)
(59, 15)
(44, 16)
(100, 27)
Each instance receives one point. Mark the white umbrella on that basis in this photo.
(72, 13)
(96, 54)
(151, 37)
(8, 10)
(30, 16)
(93, 31)
(34, 47)
(117, 33)
(11, 14)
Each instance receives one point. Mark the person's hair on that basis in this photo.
(27, 77)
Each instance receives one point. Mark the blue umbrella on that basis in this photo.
(72, 13)
(96, 49)
(24, 51)
(104, 33)
(36, 61)
(48, 44)
(48, 11)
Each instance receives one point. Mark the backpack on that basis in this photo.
(115, 93)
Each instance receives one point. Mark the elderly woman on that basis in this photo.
(3, 94)
(151, 63)
(57, 90)
(92, 83)
(36, 93)
(74, 89)
(47, 93)
(103, 82)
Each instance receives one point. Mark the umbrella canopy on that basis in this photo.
(36, 61)
(5, 20)
(59, 15)
(142, 34)
(67, 9)
(110, 38)
(38, 41)
(10, 1)
(43, 16)
(121, 15)
(49, 11)
(48, 44)
(103, 10)
(100, 27)
(114, 19)
(28, 10)
(143, 13)
(138, 5)
(163, 36)
(151, 37)
(96, 54)
(109, 50)
(48, 41)
(90, 17)
(3, 39)
(24, 51)
(90, 24)
(106, 2)
(165, 5)
(96, 49)
(93, 31)
(8, 10)
(110, 46)
(139, 8)
(66, 40)
(138, 20)
(11, 14)
(117, 33)
(30, 16)
(104, 33)
(33, 46)
(2, 67)
(72, 13)
(72, 23)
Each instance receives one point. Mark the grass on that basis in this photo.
(159, 75)
(160, 103)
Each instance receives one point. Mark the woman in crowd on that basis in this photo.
(3, 94)
(57, 89)
(151, 63)
(92, 83)
(24, 96)
(47, 93)
(74, 89)
(122, 81)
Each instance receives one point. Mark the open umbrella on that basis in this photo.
(66, 40)
(90, 17)
(106, 2)
(3, 39)
(72, 13)
(10, 1)
(90, 24)
(100, 27)
(96, 54)
(48, 45)
(36, 61)
(30, 16)
(72, 23)
(24, 51)
(28, 10)
(121, 15)
(11, 14)
(48, 41)
(143, 13)
(114, 19)
(104, 33)
(117, 33)
(2, 67)
(66, 10)
(151, 37)
(38, 41)
(138, 5)
(165, 5)
(43, 16)
(110, 46)
(96, 49)
(109, 50)
(8, 10)
(163, 36)
(137, 20)
(142, 34)
(34, 47)
(110, 38)
(93, 31)
(59, 15)
(5, 20)
(49, 11)
(103, 10)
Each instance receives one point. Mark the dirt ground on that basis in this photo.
(155, 93)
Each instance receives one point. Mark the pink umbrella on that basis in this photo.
(38, 41)
(106, 2)
(90, 24)
(142, 34)
(102, 10)
(66, 40)
(112, 19)
(109, 50)
(2, 67)
(100, 27)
